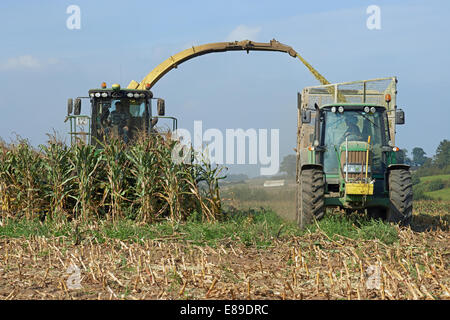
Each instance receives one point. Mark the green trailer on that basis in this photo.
(346, 152)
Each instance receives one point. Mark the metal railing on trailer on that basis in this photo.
(77, 131)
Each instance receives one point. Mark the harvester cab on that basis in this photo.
(346, 153)
(115, 112)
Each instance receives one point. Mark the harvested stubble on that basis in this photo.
(80, 182)
(138, 181)
(307, 267)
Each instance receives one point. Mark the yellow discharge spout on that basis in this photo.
(246, 45)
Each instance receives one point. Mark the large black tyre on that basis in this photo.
(310, 196)
(400, 196)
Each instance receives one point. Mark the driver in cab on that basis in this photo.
(120, 118)
(352, 128)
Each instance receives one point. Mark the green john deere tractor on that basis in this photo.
(115, 112)
(346, 156)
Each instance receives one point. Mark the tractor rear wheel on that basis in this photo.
(310, 196)
(400, 196)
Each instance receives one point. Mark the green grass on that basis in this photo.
(433, 188)
(252, 228)
(439, 176)
(443, 194)
(24, 228)
(355, 227)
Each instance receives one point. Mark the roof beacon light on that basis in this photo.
(147, 86)
(103, 85)
(387, 97)
(115, 86)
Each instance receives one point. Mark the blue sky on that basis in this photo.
(42, 63)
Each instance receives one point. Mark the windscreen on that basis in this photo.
(353, 125)
(123, 118)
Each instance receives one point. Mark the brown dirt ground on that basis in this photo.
(310, 267)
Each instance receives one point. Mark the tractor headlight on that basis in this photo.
(92, 95)
(136, 95)
(373, 110)
(356, 168)
(129, 95)
(97, 94)
(366, 109)
(341, 109)
(333, 109)
(104, 95)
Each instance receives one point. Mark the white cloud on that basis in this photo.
(26, 62)
(243, 32)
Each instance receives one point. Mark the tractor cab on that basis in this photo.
(115, 112)
(346, 153)
(347, 132)
(354, 147)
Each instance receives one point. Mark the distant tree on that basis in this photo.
(428, 163)
(418, 156)
(442, 157)
(289, 164)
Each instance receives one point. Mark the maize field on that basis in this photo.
(82, 182)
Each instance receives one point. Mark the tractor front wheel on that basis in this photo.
(400, 196)
(310, 196)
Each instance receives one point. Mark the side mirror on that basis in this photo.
(306, 116)
(399, 116)
(69, 106)
(161, 106)
(77, 107)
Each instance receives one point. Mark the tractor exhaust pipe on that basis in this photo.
(316, 141)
